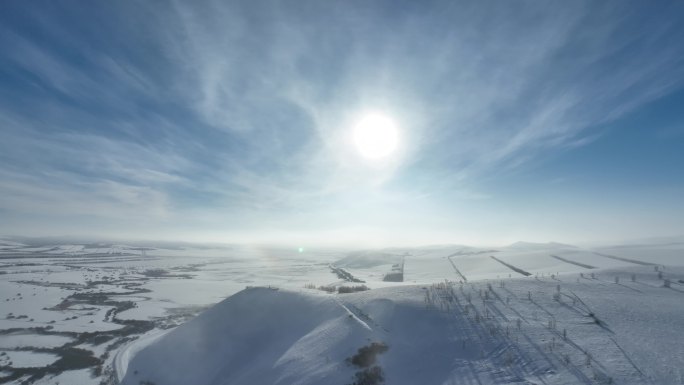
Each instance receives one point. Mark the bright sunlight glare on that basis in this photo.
(375, 136)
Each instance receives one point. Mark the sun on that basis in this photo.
(376, 136)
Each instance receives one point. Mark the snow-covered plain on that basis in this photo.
(525, 313)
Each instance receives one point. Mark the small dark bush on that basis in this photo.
(365, 356)
(370, 376)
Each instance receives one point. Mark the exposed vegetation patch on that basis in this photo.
(584, 265)
(161, 273)
(327, 289)
(70, 359)
(340, 289)
(344, 274)
(365, 356)
(626, 260)
(365, 359)
(351, 289)
(458, 272)
(369, 376)
(394, 277)
(397, 273)
(508, 265)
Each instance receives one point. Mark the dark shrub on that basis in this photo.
(370, 376)
(351, 289)
(365, 356)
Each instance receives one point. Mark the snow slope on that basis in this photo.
(486, 332)
(264, 336)
(256, 336)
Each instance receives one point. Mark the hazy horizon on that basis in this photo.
(243, 122)
(308, 246)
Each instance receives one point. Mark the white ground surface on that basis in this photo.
(21, 359)
(13, 341)
(59, 296)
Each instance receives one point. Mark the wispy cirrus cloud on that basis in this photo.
(196, 110)
(497, 81)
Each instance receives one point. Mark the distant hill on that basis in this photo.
(539, 246)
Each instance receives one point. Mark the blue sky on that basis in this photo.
(231, 121)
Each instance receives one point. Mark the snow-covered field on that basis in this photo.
(525, 313)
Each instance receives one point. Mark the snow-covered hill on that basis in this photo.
(526, 313)
(567, 329)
